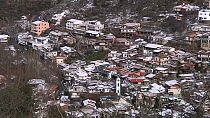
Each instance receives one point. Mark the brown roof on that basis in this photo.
(54, 87)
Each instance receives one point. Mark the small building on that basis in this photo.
(93, 34)
(185, 8)
(205, 42)
(73, 24)
(4, 38)
(51, 54)
(39, 42)
(206, 107)
(88, 28)
(160, 57)
(114, 54)
(24, 38)
(95, 26)
(57, 18)
(36, 82)
(204, 15)
(55, 36)
(203, 55)
(60, 59)
(130, 29)
(70, 40)
(122, 41)
(149, 48)
(81, 74)
(38, 27)
(174, 88)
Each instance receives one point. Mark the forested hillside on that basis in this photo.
(11, 10)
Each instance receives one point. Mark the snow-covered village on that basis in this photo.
(129, 64)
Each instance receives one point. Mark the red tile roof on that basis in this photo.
(136, 80)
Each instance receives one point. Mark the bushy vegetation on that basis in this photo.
(56, 112)
(172, 25)
(16, 101)
(96, 55)
(16, 97)
(11, 10)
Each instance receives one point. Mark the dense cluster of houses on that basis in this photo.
(140, 77)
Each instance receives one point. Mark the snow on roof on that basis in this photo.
(81, 72)
(137, 40)
(64, 98)
(75, 21)
(90, 68)
(36, 22)
(161, 68)
(109, 36)
(57, 16)
(36, 81)
(58, 33)
(99, 62)
(92, 32)
(153, 46)
(132, 47)
(4, 36)
(113, 52)
(168, 38)
(77, 114)
(89, 102)
(204, 10)
(67, 49)
(157, 88)
(132, 24)
(42, 38)
(185, 75)
(187, 6)
(150, 75)
(199, 83)
(60, 16)
(189, 109)
(157, 51)
(165, 112)
(25, 35)
(11, 47)
(200, 93)
(62, 104)
(183, 81)
(171, 82)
